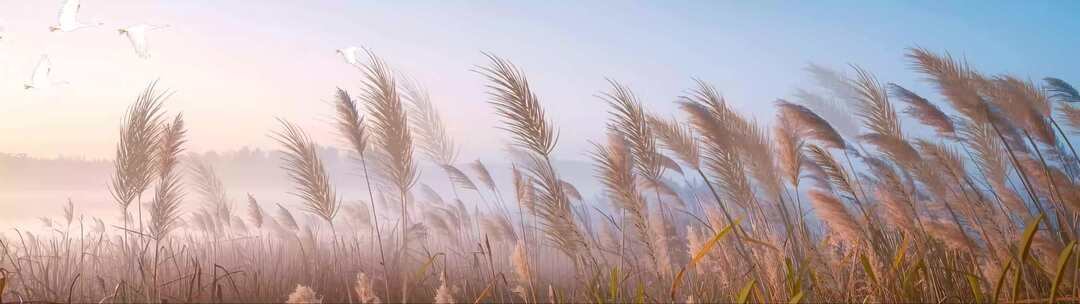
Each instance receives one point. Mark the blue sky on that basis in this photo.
(238, 64)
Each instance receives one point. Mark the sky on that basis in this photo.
(237, 65)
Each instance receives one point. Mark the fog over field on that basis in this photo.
(35, 187)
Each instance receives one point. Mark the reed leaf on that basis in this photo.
(700, 254)
(1059, 274)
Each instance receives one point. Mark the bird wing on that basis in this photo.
(41, 72)
(69, 11)
(352, 55)
(137, 36)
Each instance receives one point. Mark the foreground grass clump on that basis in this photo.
(837, 201)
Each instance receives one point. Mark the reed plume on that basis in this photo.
(833, 212)
(134, 165)
(899, 212)
(212, 189)
(437, 220)
(1025, 105)
(1061, 90)
(350, 124)
(631, 123)
(255, 213)
(570, 190)
(925, 112)
(306, 170)
(720, 154)
(303, 294)
(873, 105)
(459, 178)
(237, 224)
(359, 213)
(498, 227)
(615, 169)
(393, 139)
(430, 195)
(955, 80)
(287, 218)
(165, 208)
(524, 190)
(663, 232)
(484, 175)
(989, 158)
(389, 124)
(523, 116)
(1070, 114)
(812, 126)
(523, 274)
(950, 234)
(834, 172)
(895, 148)
(678, 139)
(518, 106)
(831, 109)
(789, 146)
(69, 212)
(431, 134)
(838, 84)
(428, 125)
(364, 292)
(442, 294)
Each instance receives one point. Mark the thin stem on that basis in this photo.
(375, 221)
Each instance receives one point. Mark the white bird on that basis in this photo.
(40, 78)
(137, 35)
(351, 54)
(68, 19)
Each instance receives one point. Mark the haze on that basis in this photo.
(236, 65)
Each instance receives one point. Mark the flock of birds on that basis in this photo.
(68, 21)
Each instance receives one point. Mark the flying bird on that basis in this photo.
(137, 35)
(41, 79)
(68, 20)
(351, 55)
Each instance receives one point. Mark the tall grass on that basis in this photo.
(861, 191)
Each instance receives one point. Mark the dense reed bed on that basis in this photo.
(859, 191)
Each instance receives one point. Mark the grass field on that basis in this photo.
(834, 200)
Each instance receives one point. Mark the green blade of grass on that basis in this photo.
(899, 258)
(796, 298)
(699, 255)
(1029, 236)
(911, 275)
(789, 276)
(976, 292)
(1063, 261)
(485, 292)
(1001, 279)
(1025, 249)
(867, 268)
(744, 293)
(614, 287)
(424, 268)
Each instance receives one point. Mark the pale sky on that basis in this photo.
(236, 65)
